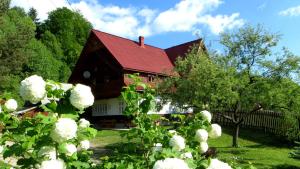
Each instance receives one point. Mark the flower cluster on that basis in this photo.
(178, 144)
(157, 147)
(202, 135)
(81, 96)
(55, 163)
(170, 163)
(217, 164)
(33, 89)
(11, 105)
(206, 115)
(61, 139)
(215, 131)
(47, 152)
(83, 123)
(85, 144)
(64, 129)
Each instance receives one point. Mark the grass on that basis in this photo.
(107, 137)
(262, 150)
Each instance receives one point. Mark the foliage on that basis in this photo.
(296, 152)
(33, 15)
(40, 61)
(262, 149)
(70, 30)
(142, 150)
(29, 46)
(17, 31)
(26, 138)
(4, 5)
(243, 79)
(201, 83)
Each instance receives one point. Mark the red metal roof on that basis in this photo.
(180, 50)
(149, 59)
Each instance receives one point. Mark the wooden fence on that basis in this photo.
(269, 121)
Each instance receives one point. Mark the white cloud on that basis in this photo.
(219, 23)
(293, 11)
(43, 7)
(185, 16)
(112, 19)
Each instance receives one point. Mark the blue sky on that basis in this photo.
(165, 23)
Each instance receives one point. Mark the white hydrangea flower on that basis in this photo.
(45, 100)
(9, 143)
(201, 135)
(83, 123)
(11, 105)
(187, 155)
(69, 149)
(177, 142)
(64, 129)
(50, 164)
(81, 96)
(206, 115)
(172, 131)
(65, 86)
(216, 131)
(33, 89)
(85, 144)
(203, 147)
(157, 147)
(11, 161)
(217, 164)
(0, 109)
(171, 163)
(48, 152)
(190, 110)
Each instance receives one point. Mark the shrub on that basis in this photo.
(57, 138)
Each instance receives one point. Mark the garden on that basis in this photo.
(257, 148)
(55, 136)
(42, 118)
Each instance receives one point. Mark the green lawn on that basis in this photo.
(263, 150)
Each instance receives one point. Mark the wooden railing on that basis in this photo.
(269, 121)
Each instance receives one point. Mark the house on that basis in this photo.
(106, 60)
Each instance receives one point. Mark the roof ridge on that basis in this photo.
(193, 41)
(126, 38)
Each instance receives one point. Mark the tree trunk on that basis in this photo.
(235, 135)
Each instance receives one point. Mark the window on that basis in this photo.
(101, 109)
(121, 106)
(150, 78)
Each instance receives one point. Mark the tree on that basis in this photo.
(16, 32)
(41, 62)
(21, 54)
(33, 15)
(243, 80)
(4, 6)
(70, 29)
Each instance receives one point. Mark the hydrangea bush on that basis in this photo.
(55, 137)
(154, 146)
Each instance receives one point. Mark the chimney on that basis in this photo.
(141, 41)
